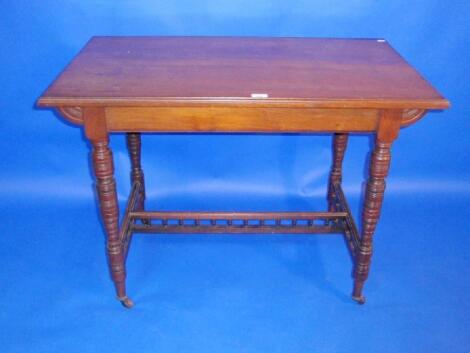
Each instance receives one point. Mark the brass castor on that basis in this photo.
(126, 302)
(360, 300)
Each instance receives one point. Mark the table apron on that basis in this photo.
(240, 119)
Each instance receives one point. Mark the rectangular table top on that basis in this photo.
(291, 72)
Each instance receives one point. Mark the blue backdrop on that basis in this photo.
(232, 294)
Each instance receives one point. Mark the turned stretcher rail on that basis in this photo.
(257, 230)
(237, 222)
(237, 215)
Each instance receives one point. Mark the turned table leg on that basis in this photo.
(340, 141)
(374, 194)
(103, 168)
(137, 174)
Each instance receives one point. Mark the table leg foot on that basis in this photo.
(126, 302)
(360, 299)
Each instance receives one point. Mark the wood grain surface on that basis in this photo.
(292, 72)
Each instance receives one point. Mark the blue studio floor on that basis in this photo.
(235, 293)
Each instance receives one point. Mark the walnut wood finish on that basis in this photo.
(125, 234)
(232, 222)
(206, 119)
(208, 71)
(205, 84)
(238, 222)
(137, 175)
(351, 233)
(340, 142)
(103, 167)
(379, 165)
(230, 119)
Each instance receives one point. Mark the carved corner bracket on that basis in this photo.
(72, 114)
(411, 116)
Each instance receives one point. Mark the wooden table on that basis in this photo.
(250, 85)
